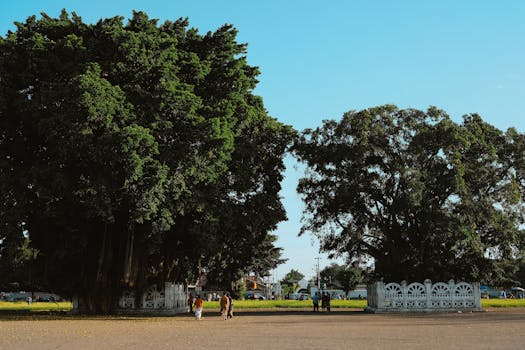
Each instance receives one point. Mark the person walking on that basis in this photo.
(198, 307)
(225, 304)
(190, 302)
(230, 307)
(315, 300)
(327, 302)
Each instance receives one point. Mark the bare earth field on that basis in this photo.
(274, 330)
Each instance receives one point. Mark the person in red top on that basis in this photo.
(198, 307)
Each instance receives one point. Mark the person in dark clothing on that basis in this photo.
(315, 300)
(190, 302)
(327, 302)
(230, 306)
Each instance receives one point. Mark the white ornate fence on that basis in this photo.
(170, 300)
(173, 299)
(426, 297)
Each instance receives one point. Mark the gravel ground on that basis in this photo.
(284, 329)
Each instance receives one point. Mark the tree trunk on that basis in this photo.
(112, 264)
(97, 284)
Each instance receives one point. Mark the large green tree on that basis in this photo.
(290, 280)
(293, 276)
(132, 153)
(340, 276)
(422, 196)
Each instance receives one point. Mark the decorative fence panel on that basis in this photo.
(172, 299)
(426, 297)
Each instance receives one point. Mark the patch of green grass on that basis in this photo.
(502, 303)
(34, 307)
(350, 304)
(249, 304)
(285, 304)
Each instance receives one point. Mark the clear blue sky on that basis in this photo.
(319, 59)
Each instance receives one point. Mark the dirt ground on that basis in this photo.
(276, 330)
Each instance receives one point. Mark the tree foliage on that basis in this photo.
(134, 153)
(520, 274)
(340, 276)
(293, 276)
(423, 196)
(290, 281)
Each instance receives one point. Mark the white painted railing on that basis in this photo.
(425, 297)
(173, 299)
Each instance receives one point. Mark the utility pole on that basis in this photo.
(318, 274)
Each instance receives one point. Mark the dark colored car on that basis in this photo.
(254, 296)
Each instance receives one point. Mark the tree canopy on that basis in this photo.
(340, 276)
(421, 195)
(291, 277)
(134, 153)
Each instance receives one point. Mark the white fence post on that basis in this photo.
(452, 287)
(428, 293)
(404, 294)
(380, 290)
(477, 295)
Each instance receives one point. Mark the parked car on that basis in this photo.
(358, 294)
(17, 297)
(298, 296)
(46, 299)
(518, 292)
(254, 296)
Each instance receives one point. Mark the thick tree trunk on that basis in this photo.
(113, 264)
(96, 289)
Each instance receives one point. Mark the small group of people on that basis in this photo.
(226, 306)
(325, 301)
(226, 303)
(198, 303)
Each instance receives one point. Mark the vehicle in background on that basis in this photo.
(500, 293)
(298, 296)
(335, 294)
(518, 292)
(358, 294)
(35, 296)
(254, 296)
(492, 293)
